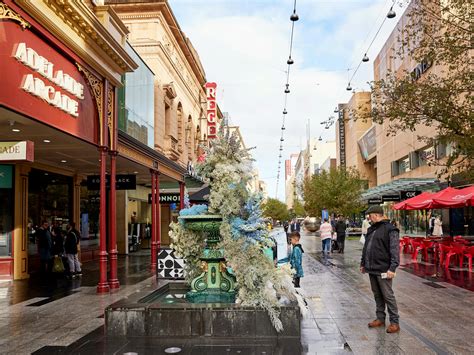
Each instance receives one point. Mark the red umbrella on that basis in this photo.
(421, 197)
(456, 198)
(428, 201)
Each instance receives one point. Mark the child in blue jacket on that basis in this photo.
(296, 258)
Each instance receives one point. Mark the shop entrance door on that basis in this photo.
(50, 198)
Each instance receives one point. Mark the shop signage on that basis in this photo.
(368, 144)
(374, 201)
(122, 182)
(12, 151)
(167, 198)
(36, 86)
(211, 89)
(427, 154)
(420, 69)
(6, 176)
(405, 195)
(391, 198)
(342, 137)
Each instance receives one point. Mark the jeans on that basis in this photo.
(326, 245)
(73, 262)
(384, 296)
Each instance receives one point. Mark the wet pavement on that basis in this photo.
(437, 316)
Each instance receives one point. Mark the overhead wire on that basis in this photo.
(294, 17)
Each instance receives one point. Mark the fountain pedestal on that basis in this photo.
(215, 284)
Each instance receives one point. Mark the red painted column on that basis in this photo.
(181, 195)
(113, 280)
(103, 286)
(153, 221)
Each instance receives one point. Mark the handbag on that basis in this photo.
(334, 236)
(362, 239)
(58, 265)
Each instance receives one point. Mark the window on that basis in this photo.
(6, 209)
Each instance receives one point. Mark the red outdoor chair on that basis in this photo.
(459, 239)
(442, 249)
(405, 244)
(416, 245)
(457, 250)
(469, 254)
(429, 246)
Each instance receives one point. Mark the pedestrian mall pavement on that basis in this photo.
(66, 317)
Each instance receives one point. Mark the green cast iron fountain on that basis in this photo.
(216, 284)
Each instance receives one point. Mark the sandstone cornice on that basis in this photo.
(85, 24)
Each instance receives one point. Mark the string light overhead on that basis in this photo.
(293, 18)
(391, 14)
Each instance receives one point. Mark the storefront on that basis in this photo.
(58, 105)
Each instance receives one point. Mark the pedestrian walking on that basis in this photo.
(432, 224)
(325, 232)
(438, 229)
(296, 258)
(380, 259)
(295, 226)
(71, 248)
(44, 241)
(341, 233)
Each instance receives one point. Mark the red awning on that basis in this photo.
(428, 202)
(417, 199)
(455, 198)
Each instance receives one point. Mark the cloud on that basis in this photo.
(244, 45)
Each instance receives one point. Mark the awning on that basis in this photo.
(394, 187)
(428, 202)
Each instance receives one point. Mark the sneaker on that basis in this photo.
(79, 274)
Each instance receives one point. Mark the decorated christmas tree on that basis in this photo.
(227, 168)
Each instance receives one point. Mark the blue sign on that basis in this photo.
(325, 214)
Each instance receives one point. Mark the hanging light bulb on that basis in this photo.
(391, 13)
(320, 138)
(290, 61)
(349, 87)
(283, 128)
(285, 111)
(336, 110)
(281, 149)
(365, 59)
(314, 148)
(294, 16)
(287, 90)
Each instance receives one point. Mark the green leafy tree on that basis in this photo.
(297, 210)
(438, 34)
(338, 190)
(275, 209)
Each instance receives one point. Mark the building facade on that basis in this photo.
(62, 66)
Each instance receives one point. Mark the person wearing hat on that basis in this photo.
(380, 259)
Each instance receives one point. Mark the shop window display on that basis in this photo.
(6, 209)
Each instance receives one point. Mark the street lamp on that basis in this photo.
(365, 59)
(391, 13)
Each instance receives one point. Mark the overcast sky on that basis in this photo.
(244, 46)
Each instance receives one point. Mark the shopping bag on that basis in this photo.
(58, 265)
(362, 239)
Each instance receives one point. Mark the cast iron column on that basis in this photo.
(113, 280)
(103, 286)
(181, 195)
(158, 214)
(153, 221)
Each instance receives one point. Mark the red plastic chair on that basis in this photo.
(405, 244)
(417, 245)
(469, 254)
(429, 246)
(442, 248)
(457, 250)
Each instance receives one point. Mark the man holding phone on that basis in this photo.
(380, 259)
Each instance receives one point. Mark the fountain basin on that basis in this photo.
(166, 313)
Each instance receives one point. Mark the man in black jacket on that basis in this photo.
(380, 259)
